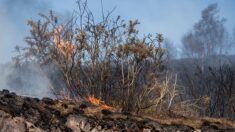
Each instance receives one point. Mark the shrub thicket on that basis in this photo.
(107, 59)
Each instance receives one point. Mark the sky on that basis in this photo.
(172, 18)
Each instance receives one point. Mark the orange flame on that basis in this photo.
(65, 47)
(95, 101)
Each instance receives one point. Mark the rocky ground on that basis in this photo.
(26, 114)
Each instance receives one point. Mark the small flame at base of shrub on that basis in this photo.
(98, 102)
(91, 98)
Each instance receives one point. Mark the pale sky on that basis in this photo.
(173, 18)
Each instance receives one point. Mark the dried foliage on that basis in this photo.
(106, 59)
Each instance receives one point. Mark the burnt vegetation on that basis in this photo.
(109, 59)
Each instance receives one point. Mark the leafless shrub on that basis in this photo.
(107, 59)
(192, 107)
(159, 96)
(217, 84)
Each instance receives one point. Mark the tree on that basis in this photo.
(210, 76)
(208, 35)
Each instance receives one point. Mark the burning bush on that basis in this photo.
(106, 59)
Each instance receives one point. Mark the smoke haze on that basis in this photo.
(13, 22)
(15, 13)
(29, 79)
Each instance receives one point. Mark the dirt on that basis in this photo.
(27, 114)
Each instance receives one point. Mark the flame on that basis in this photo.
(92, 99)
(95, 101)
(65, 47)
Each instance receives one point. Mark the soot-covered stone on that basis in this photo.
(33, 114)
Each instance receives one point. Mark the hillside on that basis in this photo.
(21, 114)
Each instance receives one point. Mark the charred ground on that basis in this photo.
(32, 114)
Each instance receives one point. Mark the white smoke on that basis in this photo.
(27, 80)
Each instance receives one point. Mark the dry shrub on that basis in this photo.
(192, 108)
(160, 97)
(106, 59)
(216, 84)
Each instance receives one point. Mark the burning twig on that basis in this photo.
(95, 101)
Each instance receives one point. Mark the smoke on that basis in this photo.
(13, 22)
(27, 79)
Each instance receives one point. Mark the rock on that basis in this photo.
(83, 106)
(76, 123)
(106, 112)
(16, 124)
(78, 111)
(48, 101)
(20, 114)
(5, 91)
